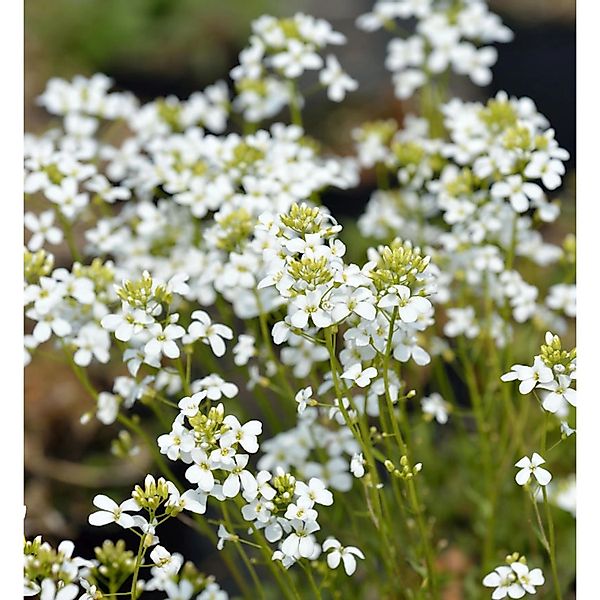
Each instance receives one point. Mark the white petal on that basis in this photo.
(543, 477)
(104, 502)
(100, 518)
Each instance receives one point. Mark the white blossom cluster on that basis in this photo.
(218, 448)
(203, 262)
(308, 269)
(475, 202)
(58, 575)
(279, 52)
(552, 375)
(514, 579)
(448, 36)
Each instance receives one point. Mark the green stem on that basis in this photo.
(313, 583)
(203, 526)
(257, 585)
(552, 546)
(69, 237)
(295, 112)
(412, 489)
(138, 561)
(374, 500)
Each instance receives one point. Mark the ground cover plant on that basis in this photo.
(335, 418)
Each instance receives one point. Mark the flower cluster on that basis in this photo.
(217, 448)
(279, 52)
(226, 303)
(56, 574)
(476, 200)
(514, 579)
(448, 36)
(552, 374)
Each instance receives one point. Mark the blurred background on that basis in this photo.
(161, 47)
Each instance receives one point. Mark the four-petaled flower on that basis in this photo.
(111, 512)
(346, 554)
(531, 466)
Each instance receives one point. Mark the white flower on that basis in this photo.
(91, 591)
(563, 297)
(224, 536)
(529, 377)
(192, 500)
(184, 590)
(47, 325)
(257, 510)
(212, 592)
(261, 486)
(301, 512)
(314, 492)
(49, 591)
(67, 197)
(565, 429)
(239, 477)
(528, 579)
(546, 168)
(41, 227)
(336, 80)
(309, 306)
(461, 321)
(531, 466)
(216, 387)
(296, 59)
(128, 323)
(105, 190)
(190, 405)
(244, 349)
(165, 561)
(357, 465)
(404, 53)
(406, 82)
(503, 578)
(201, 471)
(345, 554)
(107, 408)
(177, 441)
(300, 543)
(361, 377)
(280, 332)
(557, 393)
(517, 191)
(302, 398)
(202, 328)
(244, 435)
(474, 62)
(360, 301)
(435, 406)
(111, 512)
(163, 340)
(92, 342)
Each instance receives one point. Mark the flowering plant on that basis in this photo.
(307, 406)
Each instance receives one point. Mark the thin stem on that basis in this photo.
(313, 583)
(257, 585)
(412, 489)
(69, 237)
(138, 562)
(552, 546)
(295, 112)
